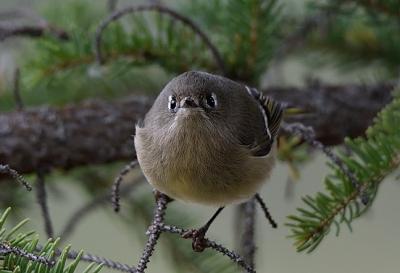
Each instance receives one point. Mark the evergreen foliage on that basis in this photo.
(247, 34)
(361, 32)
(21, 252)
(371, 159)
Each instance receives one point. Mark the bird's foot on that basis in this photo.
(199, 243)
(158, 195)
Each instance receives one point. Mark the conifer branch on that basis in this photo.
(6, 249)
(160, 9)
(371, 159)
(33, 31)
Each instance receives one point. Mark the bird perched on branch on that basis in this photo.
(208, 140)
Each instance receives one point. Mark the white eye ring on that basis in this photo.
(172, 103)
(211, 100)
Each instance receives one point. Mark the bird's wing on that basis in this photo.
(272, 112)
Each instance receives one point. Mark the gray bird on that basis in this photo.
(208, 140)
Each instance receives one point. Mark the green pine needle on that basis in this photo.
(372, 159)
(18, 252)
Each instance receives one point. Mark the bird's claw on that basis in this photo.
(199, 243)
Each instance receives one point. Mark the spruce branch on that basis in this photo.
(307, 133)
(20, 252)
(33, 31)
(6, 249)
(372, 158)
(91, 258)
(163, 10)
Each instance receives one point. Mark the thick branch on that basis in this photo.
(96, 132)
(7, 31)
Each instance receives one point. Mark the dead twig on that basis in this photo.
(266, 211)
(115, 196)
(41, 197)
(15, 175)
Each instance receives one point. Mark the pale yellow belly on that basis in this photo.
(218, 187)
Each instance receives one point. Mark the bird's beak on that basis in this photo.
(188, 102)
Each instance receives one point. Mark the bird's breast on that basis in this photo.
(199, 163)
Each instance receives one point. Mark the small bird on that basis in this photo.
(209, 140)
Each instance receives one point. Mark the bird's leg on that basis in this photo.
(158, 195)
(197, 235)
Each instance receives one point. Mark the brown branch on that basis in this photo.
(33, 31)
(96, 132)
(248, 246)
(154, 231)
(41, 197)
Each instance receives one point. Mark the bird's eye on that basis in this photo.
(172, 103)
(211, 100)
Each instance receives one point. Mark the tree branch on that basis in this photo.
(34, 31)
(96, 132)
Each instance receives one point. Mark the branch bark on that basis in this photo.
(33, 31)
(95, 132)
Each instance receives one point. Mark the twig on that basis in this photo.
(266, 212)
(248, 238)
(161, 9)
(41, 197)
(79, 214)
(87, 257)
(6, 249)
(307, 133)
(33, 31)
(115, 196)
(16, 90)
(15, 175)
(154, 231)
(211, 244)
(90, 258)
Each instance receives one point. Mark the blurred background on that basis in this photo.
(299, 43)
